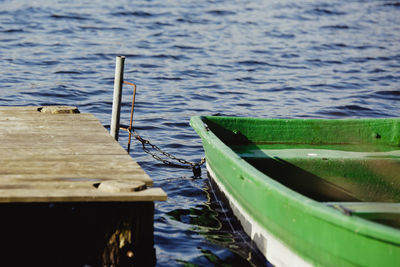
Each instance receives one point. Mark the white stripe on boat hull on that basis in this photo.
(273, 249)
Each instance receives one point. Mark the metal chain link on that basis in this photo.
(183, 163)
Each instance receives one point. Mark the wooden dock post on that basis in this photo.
(116, 107)
(70, 195)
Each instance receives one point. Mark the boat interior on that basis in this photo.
(358, 175)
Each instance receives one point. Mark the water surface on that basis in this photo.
(276, 59)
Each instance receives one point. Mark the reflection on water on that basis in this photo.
(215, 221)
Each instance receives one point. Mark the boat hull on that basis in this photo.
(289, 228)
(270, 246)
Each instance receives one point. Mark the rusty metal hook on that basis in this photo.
(129, 129)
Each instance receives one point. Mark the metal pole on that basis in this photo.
(116, 108)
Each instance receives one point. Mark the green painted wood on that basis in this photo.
(384, 213)
(369, 175)
(320, 234)
(367, 207)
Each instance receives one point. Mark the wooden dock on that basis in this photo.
(48, 157)
(57, 157)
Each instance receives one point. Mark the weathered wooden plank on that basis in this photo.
(90, 184)
(19, 133)
(50, 126)
(76, 170)
(63, 146)
(11, 152)
(78, 195)
(75, 166)
(65, 167)
(69, 136)
(63, 133)
(121, 160)
(12, 116)
(93, 177)
(35, 140)
(62, 157)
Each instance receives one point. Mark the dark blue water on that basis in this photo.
(287, 58)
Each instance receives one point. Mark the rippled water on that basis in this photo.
(287, 58)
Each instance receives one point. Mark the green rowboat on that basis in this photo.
(310, 192)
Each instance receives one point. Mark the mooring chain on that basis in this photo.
(183, 163)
